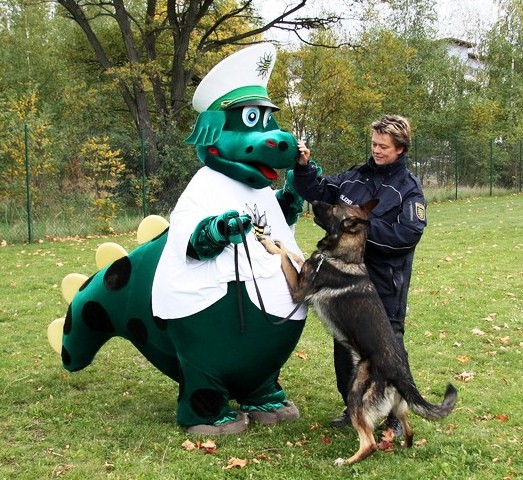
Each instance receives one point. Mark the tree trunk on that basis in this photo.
(183, 20)
(136, 99)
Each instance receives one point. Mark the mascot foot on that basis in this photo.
(238, 425)
(288, 411)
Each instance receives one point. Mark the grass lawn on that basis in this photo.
(115, 419)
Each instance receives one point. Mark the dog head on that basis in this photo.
(346, 227)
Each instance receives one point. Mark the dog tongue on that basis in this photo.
(267, 172)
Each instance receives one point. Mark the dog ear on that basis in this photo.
(353, 225)
(367, 207)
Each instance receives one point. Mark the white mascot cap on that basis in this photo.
(240, 79)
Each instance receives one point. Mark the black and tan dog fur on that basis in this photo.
(334, 280)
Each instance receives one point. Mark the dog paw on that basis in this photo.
(269, 244)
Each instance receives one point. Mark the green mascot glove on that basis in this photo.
(213, 234)
(229, 225)
(291, 202)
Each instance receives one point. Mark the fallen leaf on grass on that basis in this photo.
(61, 470)
(450, 428)
(188, 445)
(484, 418)
(236, 463)
(502, 417)
(464, 376)
(51, 451)
(463, 358)
(209, 446)
(421, 442)
(504, 340)
(477, 331)
(325, 439)
(299, 443)
(262, 456)
(301, 355)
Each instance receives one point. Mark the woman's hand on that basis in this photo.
(304, 153)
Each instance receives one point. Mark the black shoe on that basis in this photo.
(342, 421)
(395, 425)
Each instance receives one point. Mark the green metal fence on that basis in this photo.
(47, 206)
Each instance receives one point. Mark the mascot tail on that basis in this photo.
(98, 305)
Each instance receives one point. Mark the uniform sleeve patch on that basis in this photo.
(420, 211)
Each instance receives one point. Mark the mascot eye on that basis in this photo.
(267, 117)
(250, 116)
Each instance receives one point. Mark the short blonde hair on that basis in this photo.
(397, 127)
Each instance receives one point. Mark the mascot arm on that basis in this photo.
(213, 234)
(291, 202)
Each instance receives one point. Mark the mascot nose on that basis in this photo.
(283, 146)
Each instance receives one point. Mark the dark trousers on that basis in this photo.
(344, 366)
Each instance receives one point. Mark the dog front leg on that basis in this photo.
(292, 277)
(269, 244)
(289, 270)
(297, 260)
(277, 247)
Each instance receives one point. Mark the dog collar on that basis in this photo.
(320, 263)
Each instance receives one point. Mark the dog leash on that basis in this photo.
(238, 283)
(258, 293)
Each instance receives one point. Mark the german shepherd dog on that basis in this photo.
(335, 281)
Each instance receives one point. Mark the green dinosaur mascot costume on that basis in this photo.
(203, 301)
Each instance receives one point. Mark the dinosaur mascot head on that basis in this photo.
(235, 133)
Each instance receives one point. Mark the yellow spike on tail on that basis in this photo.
(71, 283)
(55, 331)
(150, 227)
(108, 253)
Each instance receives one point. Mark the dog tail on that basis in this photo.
(426, 409)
